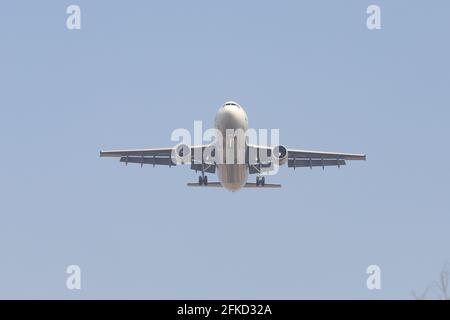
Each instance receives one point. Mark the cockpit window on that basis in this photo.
(232, 104)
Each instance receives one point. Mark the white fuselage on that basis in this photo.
(231, 116)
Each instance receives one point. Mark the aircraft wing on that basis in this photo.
(157, 156)
(137, 152)
(300, 158)
(308, 158)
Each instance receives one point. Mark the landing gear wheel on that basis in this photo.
(203, 181)
(260, 181)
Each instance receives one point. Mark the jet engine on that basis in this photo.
(279, 155)
(181, 154)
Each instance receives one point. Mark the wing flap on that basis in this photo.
(163, 161)
(295, 163)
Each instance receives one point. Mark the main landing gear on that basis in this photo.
(260, 181)
(203, 180)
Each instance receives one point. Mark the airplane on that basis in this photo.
(232, 175)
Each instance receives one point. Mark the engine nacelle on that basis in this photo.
(279, 155)
(181, 154)
(209, 154)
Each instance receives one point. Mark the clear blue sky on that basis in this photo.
(137, 70)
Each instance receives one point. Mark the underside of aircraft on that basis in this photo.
(233, 175)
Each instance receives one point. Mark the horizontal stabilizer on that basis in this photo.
(210, 184)
(266, 185)
(247, 185)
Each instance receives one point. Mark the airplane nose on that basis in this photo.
(231, 120)
(231, 116)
